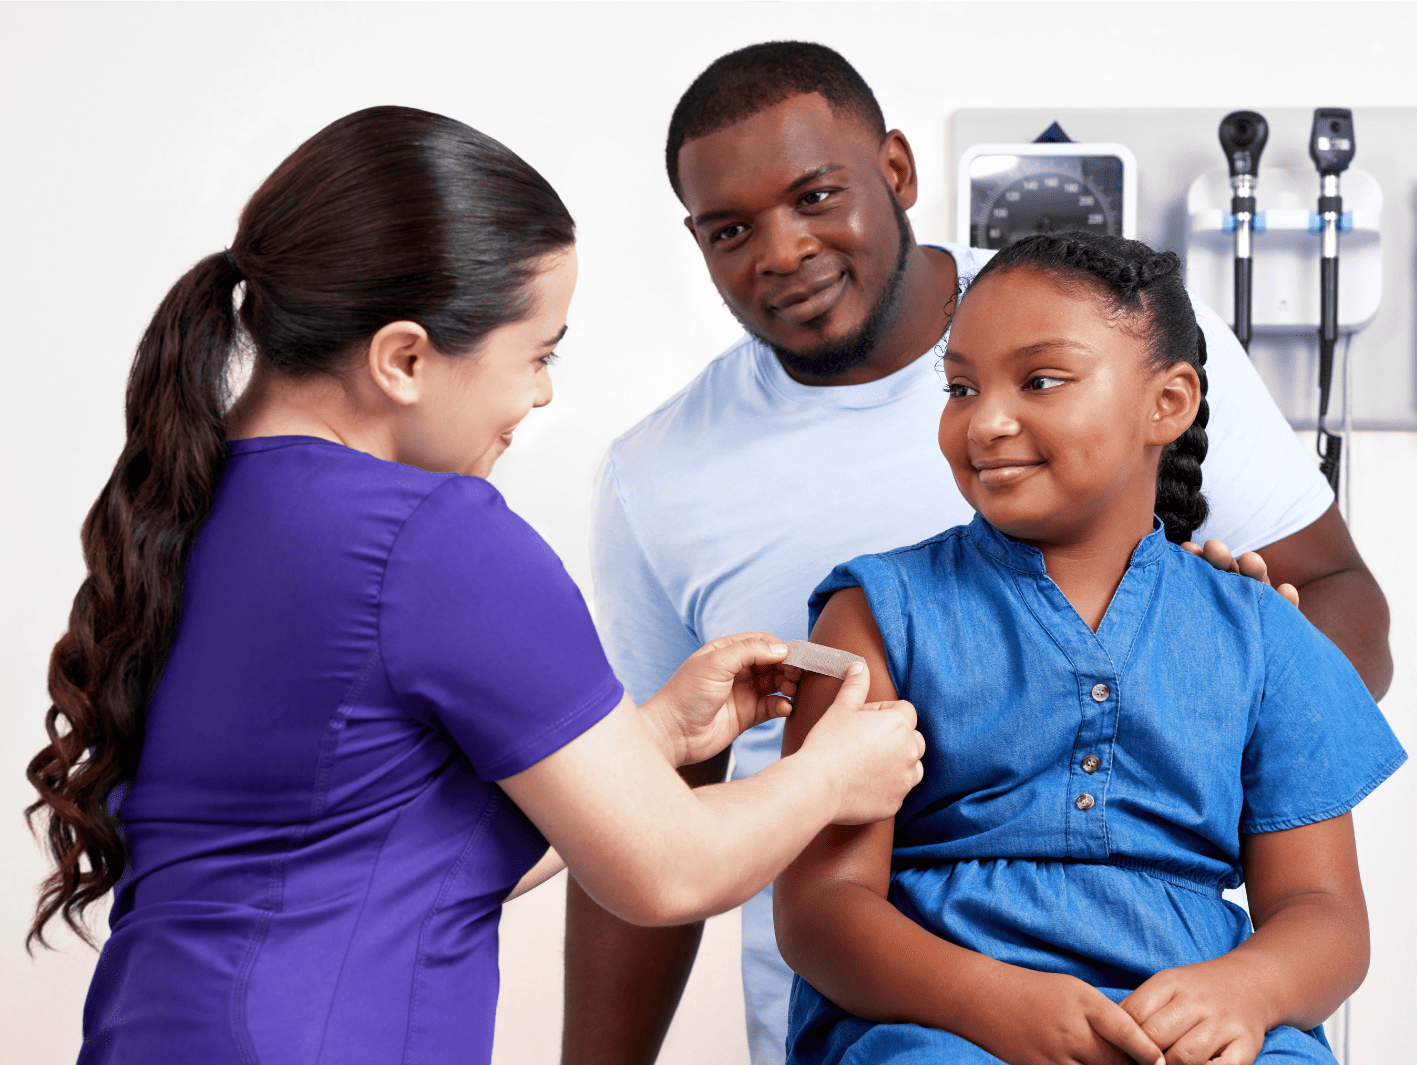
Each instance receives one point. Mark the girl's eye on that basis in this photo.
(958, 391)
(1038, 384)
(549, 359)
(726, 233)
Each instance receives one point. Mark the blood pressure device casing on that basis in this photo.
(1010, 191)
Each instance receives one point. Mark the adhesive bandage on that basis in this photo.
(815, 658)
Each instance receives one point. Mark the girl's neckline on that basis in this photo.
(1028, 558)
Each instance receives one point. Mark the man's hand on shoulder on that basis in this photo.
(1329, 581)
(1250, 564)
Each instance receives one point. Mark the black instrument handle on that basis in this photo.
(1244, 273)
(1328, 300)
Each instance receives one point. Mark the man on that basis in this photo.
(797, 194)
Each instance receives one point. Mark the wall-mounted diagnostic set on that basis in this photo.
(1284, 269)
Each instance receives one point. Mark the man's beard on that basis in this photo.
(843, 356)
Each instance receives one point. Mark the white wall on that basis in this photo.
(131, 135)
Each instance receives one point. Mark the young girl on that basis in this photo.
(1116, 732)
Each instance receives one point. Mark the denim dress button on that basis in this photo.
(1100, 693)
(1090, 763)
(1084, 801)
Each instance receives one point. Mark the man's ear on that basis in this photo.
(398, 357)
(1177, 393)
(898, 168)
(689, 225)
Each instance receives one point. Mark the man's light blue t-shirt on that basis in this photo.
(722, 510)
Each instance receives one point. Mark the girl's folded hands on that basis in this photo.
(1052, 1019)
(1208, 1012)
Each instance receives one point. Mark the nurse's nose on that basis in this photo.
(543, 389)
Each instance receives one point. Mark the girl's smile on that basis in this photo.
(999, 472)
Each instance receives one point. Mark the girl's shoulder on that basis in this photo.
(917, 566)
(1231, 600)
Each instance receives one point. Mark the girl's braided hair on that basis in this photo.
(1144, 288)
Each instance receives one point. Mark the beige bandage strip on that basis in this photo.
(827, 661)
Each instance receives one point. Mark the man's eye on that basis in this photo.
(1038, 384)
(727, 233)
(815, 197)
(958, 391)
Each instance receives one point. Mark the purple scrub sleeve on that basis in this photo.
(319, 850)
(507, 681)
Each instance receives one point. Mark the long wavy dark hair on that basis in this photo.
(389, 214)
(1143, 287)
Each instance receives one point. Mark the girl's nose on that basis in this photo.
(992, 419)
(543, 389)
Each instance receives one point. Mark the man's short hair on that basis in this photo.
(742, 83)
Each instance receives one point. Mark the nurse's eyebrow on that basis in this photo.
(556, 339)
(807, 178)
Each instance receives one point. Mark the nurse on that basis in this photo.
(324, 699)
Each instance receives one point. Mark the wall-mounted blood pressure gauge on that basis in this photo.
(1008, 191)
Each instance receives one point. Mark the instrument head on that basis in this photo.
(1242, 137)
(1331, 144)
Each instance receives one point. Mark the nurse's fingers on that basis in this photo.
(777, 706)
(750, 650)
(748, 657)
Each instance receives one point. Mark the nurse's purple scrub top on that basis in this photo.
(318, 850)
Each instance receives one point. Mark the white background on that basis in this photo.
(130, 136)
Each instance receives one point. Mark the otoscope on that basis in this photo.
(1331, 146)
(1242, 138)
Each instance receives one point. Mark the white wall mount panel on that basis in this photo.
(1285, 298)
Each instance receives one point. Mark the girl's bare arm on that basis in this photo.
(837, 928)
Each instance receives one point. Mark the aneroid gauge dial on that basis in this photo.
(1008, 191)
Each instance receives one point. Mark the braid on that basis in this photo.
(1144, 287)
(1179, 502)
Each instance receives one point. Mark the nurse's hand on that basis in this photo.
(870, 751)
(1250, 564)
(726, 686)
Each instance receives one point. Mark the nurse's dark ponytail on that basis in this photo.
(1143, 287)
(389, 214)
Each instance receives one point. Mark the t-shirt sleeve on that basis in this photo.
(1260, 482)
(646, 639)
(1319, 744)
(484, 634)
